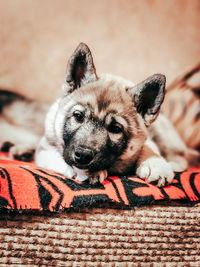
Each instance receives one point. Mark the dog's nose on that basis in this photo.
(83, 156)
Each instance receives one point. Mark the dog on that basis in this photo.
(101, 126)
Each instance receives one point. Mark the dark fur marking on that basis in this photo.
(27, 156)
(191, 73)
(78, 69)
(6, 146)
(196, 91)
(197, 116)
(67, 134)
(103, 103)
(147, 100)
(7, 97)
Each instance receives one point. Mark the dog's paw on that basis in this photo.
(155, 170)
(99, 176)
(178, 163)
(22, 152)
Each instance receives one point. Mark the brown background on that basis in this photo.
(128, 38)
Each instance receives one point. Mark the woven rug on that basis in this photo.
(147, 236)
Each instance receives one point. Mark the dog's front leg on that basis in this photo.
(152, 167)
(170, 143)
(48, 157)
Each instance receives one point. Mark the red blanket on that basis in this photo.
(26, 186)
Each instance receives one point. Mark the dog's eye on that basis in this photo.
(79, 116)
(115, 128)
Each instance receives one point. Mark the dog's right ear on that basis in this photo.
(148, 97)
(80, 69)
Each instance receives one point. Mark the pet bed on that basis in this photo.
(27, 187)
(48, 220)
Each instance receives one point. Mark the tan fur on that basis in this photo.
(111, 92)
(146, 152)
(182, 106)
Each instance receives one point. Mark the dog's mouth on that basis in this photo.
(88, 159)
(81, 166)
(98, 163)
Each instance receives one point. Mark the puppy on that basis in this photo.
(105, 125)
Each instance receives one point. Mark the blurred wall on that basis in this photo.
(131, 38)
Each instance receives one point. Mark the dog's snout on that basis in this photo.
(83, 156)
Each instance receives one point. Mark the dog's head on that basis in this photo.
(105, 117)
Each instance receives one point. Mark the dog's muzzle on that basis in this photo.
(83, 156)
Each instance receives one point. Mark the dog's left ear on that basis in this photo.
(148, 97)
(80, 69)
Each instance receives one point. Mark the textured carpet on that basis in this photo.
(147, 236)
